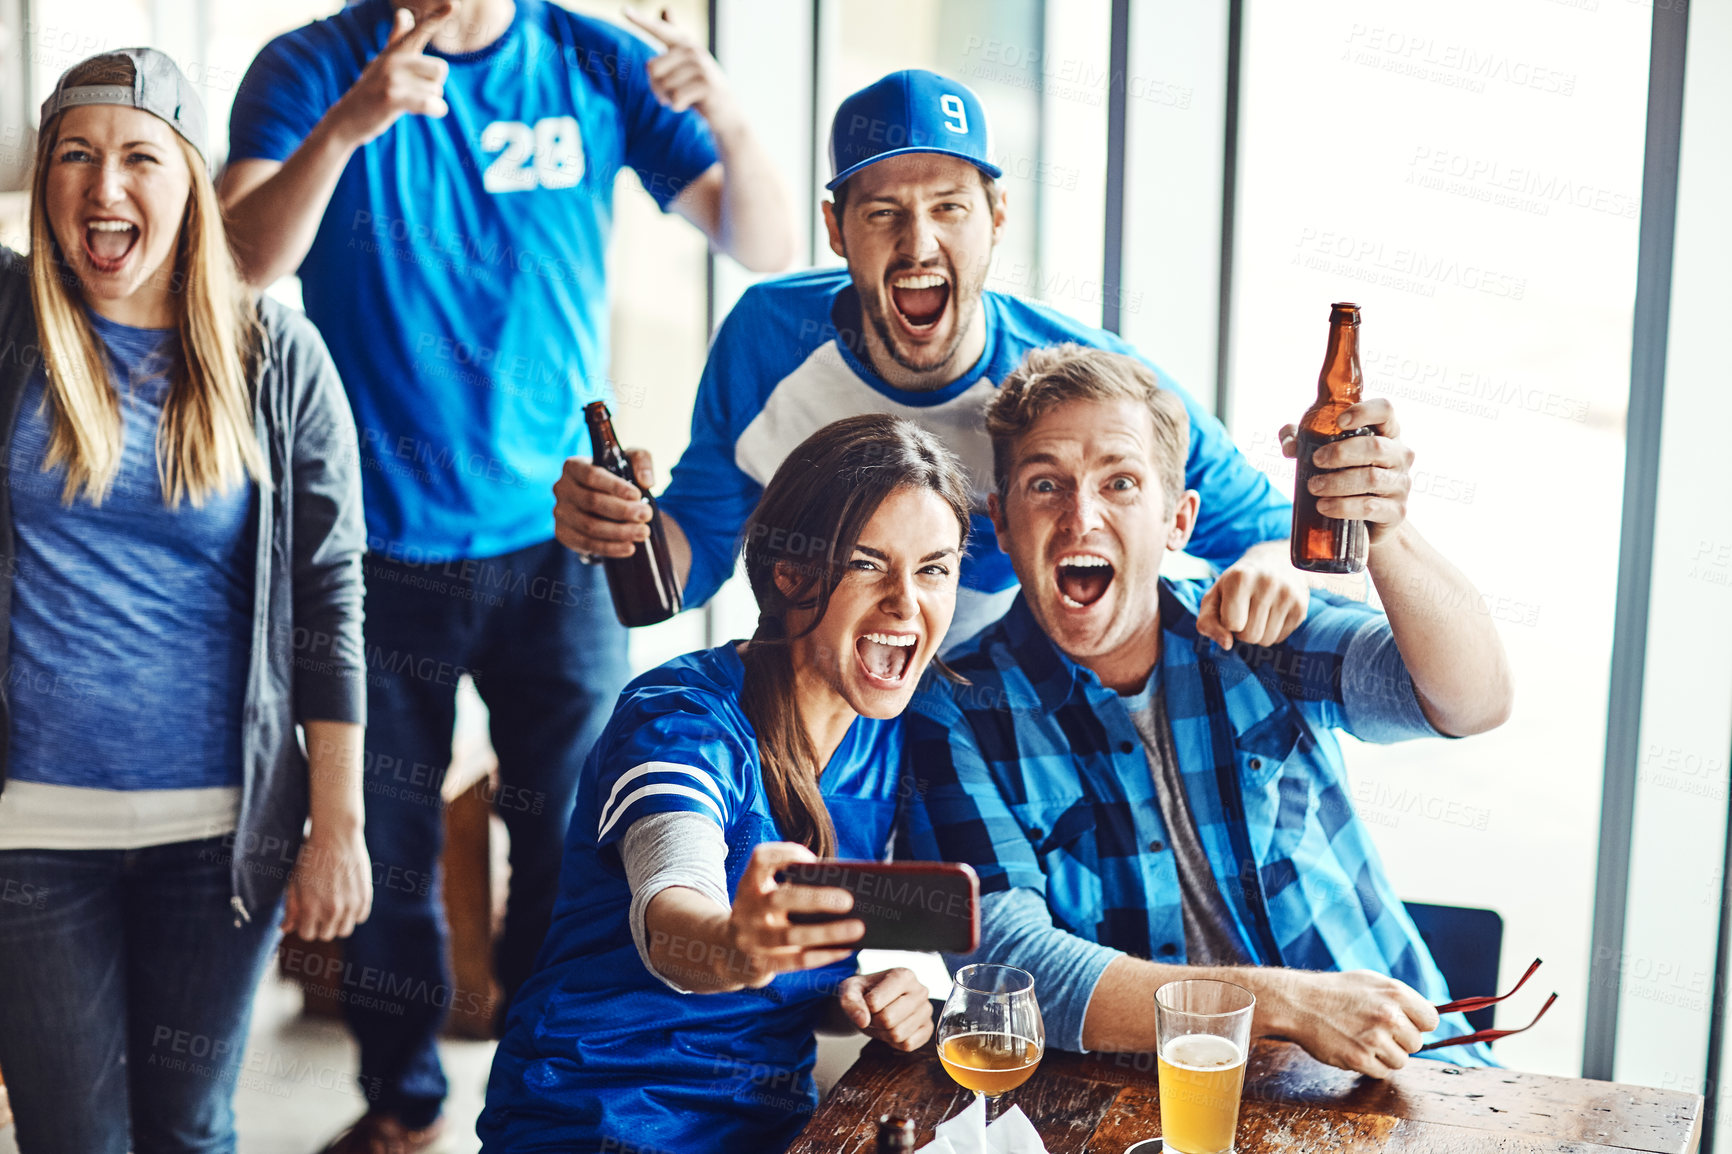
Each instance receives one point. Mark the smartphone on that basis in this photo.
(916, 905)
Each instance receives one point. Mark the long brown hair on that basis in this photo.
(205, 440)
(805, 527)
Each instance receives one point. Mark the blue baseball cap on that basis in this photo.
(909, 111)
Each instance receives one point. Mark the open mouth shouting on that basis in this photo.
(1082, 579)
(920, 299)
(886, 658)
(108, 242)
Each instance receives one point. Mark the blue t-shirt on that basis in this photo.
(458, 275)
(783, 366)
(597, 1047)
(131, 621)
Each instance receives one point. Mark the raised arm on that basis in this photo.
(740, 202)
(274, 207)
(1446, 638)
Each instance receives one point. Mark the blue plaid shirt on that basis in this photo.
(1034, 774)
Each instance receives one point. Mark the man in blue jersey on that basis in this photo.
(908, 328)
(443, 180)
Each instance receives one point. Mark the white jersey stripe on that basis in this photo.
(823, 387)
(649, 767)
(651, 791)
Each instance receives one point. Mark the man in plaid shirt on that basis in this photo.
(1143, 805)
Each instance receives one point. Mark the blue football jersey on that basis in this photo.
(458, 275)
(783, 366)
(598, 1048)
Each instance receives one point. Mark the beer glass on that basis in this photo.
(1203, 1033)
(990, 1036)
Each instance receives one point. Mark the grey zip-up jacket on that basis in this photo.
(307, 661)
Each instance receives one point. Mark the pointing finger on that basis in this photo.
(663, 29)
(402, 23)
(415, 42)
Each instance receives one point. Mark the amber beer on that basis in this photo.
(1328, 544)
(1202, 1077)
(644, 586)
(990, 1064)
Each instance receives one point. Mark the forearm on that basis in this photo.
(690, 942)
(272, 224)
(1274, 552)
(1121, 1015)
(754, 219)
(1016, 929)
(334, 775)
(665, 851)
(1447, 641)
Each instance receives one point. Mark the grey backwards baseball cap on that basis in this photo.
(158, 87)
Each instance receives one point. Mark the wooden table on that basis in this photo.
(1100, 1104)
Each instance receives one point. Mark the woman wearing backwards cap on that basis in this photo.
(180, 541)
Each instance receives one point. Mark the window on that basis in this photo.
(1471, 176)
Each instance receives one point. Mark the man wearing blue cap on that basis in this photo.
(909, 328)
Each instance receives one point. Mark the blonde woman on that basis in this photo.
(181, 583)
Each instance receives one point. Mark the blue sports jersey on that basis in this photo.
(597, 1048)
(458, 274)
(783, 366)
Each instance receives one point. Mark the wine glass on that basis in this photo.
(990, 1036)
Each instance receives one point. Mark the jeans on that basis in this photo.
(537, 631)
(125, 991)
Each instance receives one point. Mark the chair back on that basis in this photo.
(1466, 944)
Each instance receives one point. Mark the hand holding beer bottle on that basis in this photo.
(1352, 482)
(643, 583)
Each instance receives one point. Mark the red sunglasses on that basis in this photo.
(1468, 1005)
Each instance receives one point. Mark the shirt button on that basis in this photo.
(1256, 763)
(1036, 833)
(1157, 845)
(1168, 949)
(1125, 747)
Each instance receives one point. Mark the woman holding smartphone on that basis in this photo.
(181, 582)
(674, 1003)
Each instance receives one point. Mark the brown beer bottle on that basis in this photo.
(1327, 544)
(895, 1134)
(644, 587)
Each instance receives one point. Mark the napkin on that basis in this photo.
(968, 1133)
